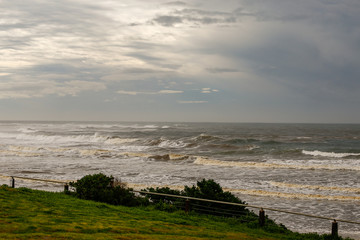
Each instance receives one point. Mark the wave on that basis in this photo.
(256, 192)
(24, 148)
(66, 139)
(264, 193)
(329, 154)
(167, 157)
(119, 141)
(214, 162)
(94, 152)
(172, 144)
(139, 186)
(61, 139)
(315, 187)
(165, 143)
(164, 157)
(205, 138)
(19, 154)
(27, 130)
(117, 126)
(242, 141)
(302, 138)
(249, 147)
(131, 151)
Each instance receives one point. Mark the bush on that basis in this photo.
(209, 189)
(164, 190)
(165, 203)
(101, 188)
(206, 189)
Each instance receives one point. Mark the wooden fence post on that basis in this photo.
(66, 187)
(187, 206)
(334, 228)
(261, 217)
(12, 182)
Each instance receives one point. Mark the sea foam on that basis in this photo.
(214, 162)
(329, 154)
(316, 187)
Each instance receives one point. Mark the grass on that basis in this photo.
(32, 214)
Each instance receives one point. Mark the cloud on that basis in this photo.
(274, 55)
(176, 3)
(168, 21)
(130, 92)
(41, 89)
(208, 90)
(222, 70)
(149, 93)
(169, 91)
(197, 17)
(192, 102)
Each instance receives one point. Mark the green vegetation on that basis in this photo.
(204, 189)
(101, 188)
(32, 214)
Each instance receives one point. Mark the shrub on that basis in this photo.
(164, 190)
(165, 203)
(206, 189)
(101, 188)
(209, 189)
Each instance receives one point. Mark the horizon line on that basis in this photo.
(152, 121)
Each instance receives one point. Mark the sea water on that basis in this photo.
(307, 168)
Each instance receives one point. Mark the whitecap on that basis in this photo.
(315, 187)
(119, 141)
(172, 144)
(329, 154)
(27, 130)
(214, 162)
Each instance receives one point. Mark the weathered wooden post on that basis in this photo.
(334, 229)
(12, 182)
(187, 206)
(112, 183)
(66, 187)
(261, 217)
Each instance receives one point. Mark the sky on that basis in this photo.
(190, 60)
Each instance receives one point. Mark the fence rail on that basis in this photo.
(41, 180)
(250, 206)
(261, 209)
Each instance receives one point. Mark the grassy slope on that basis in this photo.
(30, 214)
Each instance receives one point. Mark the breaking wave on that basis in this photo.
(329, 154)
(20, 154)
(205, 138)
(167, 157)
(27, 130)
(172, 144)
(262, 193)
(316, 187)
(214, 162)
(94, 138)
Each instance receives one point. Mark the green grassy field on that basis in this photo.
(31, 214)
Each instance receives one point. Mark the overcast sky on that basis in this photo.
(192, 60)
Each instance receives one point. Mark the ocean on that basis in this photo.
(308, 168)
